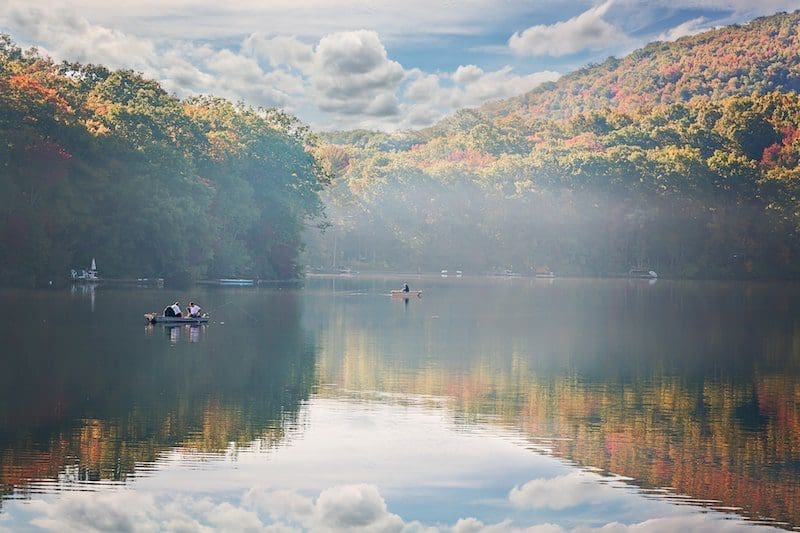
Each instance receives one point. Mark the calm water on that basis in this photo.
(505, 403)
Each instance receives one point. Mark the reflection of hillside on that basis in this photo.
(102, 408)
(714, 414)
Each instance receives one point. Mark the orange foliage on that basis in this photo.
(31, 86)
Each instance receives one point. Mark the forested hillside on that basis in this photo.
(107, 164)
(760, 57)
(680, 157)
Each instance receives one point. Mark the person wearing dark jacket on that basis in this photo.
(173, 310)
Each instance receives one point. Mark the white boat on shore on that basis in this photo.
(237, 282)
(86, 276)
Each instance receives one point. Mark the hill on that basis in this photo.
(761, 56)
(681, 157)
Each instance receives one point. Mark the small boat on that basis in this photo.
(237, 282)
(640, 273)
(546, 275)
(155, 318)
(409, 294)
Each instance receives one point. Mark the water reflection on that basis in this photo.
(87, 400)
(691, 387)
(176, 332)
(481, 397)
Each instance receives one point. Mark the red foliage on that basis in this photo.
(783, 152)
(470, 157)
(771, 155)
(586, 140)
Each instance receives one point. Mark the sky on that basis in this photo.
(375, 64)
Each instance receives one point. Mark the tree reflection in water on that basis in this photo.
(99, 401)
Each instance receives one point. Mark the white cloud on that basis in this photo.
(281, 50)
(740, 8)
(467, 74)
(285, 505)
(358, 507)
(226, 517)
(353, 508)
(123, 512)
(587, 31)
(473, 525)
(239, 77)
(346, 79)
(70, 36)
(563, 492)
(430, 97)
(690, 27)
(308, 19)
(352, 74)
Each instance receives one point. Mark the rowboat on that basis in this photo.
(409, 294)
(154, 318)
(642, 273)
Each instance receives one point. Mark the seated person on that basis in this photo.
(173, 310)
(194, 310)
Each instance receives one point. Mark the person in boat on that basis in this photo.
(173, 310)
(406, 288)
(194, 310)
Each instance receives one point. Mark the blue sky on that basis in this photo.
(362, 63)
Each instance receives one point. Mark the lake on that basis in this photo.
(486, 404)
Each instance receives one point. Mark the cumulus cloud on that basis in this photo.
(690, 27)
(347, 76)
(357, 507)
(73, 37)
(281, 50)
(430, 97)
(240, 77)
(587, 31)
(352, 74)
(563, 492)
(122, 512)
(467, 74)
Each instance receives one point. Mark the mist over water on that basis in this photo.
(487, 401)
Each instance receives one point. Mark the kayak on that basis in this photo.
(154, 318)
(409, 294)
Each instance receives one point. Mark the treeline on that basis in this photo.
(697, 177)
(709, 190)
(107, 164)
